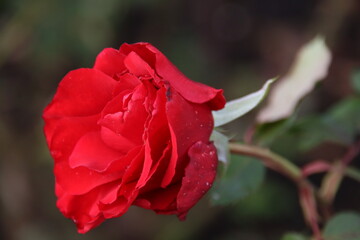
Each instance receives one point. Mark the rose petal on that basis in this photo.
(116, 208)
(81, 180)
(157, 171)
(146, 167)
(81, 92)
(111, 196)
(134, 170)
(126, 115)
(160, 200)
(60, 140)
(118, 103)
(170, 171)
(141, 49)
(116, 141)
(158, 139)
(84, 209)
(125, 199)
(188, 123)
(199, 176)
(127, 82)
(91, 152)
(128, 191)
(199, 92)
(136, 65)
(158, 129)
(158, 145)
(110, 61)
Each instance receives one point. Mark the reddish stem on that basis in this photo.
(287, 168)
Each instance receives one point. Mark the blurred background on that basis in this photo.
(234, 45)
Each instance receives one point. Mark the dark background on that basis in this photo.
(234, 45)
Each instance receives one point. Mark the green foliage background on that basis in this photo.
(234, 45)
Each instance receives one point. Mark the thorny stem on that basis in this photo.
(270, 159)
(333, 178)
(329, 187)
(287, 168)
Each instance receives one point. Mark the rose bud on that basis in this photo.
(132, 130)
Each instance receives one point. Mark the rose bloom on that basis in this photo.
(132, 130)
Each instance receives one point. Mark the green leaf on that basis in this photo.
(344, 119)
(242, 177)
(294, 236)
(266, 133)
(343, 226)
(221, 143)
(289, 137)
(315, 130)
(238, 107)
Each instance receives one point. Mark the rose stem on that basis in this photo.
(332, 180)
(287, 168)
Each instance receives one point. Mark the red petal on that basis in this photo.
(91, 152)
(192, 91)
(110, 61)
(146, 167)
(132, 174)
(170, 171)
(141, 49)
(111, 196)
(158, 140)
(60, 136)
(127, 82)
(128, 191)
(84, 209)
(160, 200)
(125, 199)
(199, 176)
(158, 129)
(157, 171)
(81, 92)
(116, 141)
(81, 180)
(137, 66)
(188, 123)
(126, 115)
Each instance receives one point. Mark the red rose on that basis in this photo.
(132, 130)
